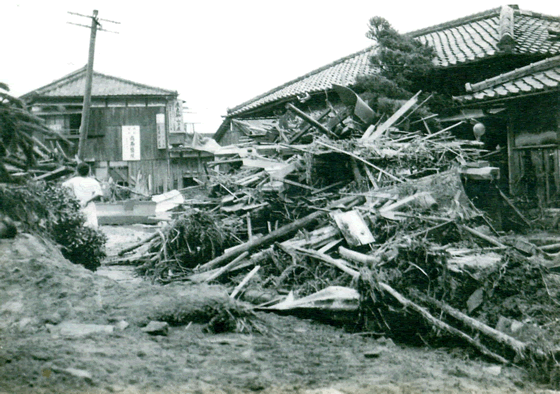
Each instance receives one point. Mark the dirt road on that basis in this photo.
(62, 331)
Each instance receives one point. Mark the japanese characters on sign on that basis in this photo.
(175, 111)
(130, 143)
(160, 130)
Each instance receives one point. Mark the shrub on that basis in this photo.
(52, 212)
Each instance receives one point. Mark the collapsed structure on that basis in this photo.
(469, 50)
(313, 209)
(325, 214)
(370, 225)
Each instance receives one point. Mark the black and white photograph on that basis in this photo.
(307, 197)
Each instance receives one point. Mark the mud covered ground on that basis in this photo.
(42, 295)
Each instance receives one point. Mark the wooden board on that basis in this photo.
(353, 227)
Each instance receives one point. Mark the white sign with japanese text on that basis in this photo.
(160, 130)
(130, 143)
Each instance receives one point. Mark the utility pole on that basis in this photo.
(89, 77)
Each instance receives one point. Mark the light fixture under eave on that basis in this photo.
(479, 129)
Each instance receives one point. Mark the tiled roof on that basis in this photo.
(491, 33)
(542, 76)
(469, 39)
(341, 72)
(73, 85)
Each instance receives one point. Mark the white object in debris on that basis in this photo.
(169, 200)
(332, 298)
(353, 227)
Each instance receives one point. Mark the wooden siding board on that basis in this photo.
(111, 120)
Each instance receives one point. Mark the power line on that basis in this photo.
(99, 26)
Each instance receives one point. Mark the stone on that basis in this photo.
(374, 353)
(80, 373)
(156, 328)
(80, 330)
(475, 300)
(54, 318)
(326, 390)
(122, 325)
(493, 370)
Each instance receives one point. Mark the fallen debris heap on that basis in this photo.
(376, 221)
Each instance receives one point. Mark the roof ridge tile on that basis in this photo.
(517, 73)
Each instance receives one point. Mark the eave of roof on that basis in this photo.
(342, 71)
(73, 85)
(536, 78)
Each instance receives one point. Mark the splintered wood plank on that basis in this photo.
(371, 135)
(353, 227)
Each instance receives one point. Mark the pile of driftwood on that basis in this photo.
(376, 230)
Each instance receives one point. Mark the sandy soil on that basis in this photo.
(42, 294)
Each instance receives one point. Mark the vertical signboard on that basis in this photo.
(160, 130)
(175, 111)
(130, 143)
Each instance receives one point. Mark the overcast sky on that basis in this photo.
(216, 54)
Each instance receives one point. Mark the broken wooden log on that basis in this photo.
(362, 160)
(297, 184)
(227, 267)
(521, 349)
(484, 237)
(424, 199)
(371, 135)
(244, 282)
(358, 257)
(139, 244)
(304, 129)
(310, 120)
(263, 241)
(517, 211)
(339, 263)
(58, 173)
(551, 248)
(426, 315)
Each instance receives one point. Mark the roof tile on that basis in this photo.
(457, 42)
(342, 72)
(537, 77)
(73, 85)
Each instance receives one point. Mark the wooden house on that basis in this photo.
(136, 132)
(522, 109)
(469, 49)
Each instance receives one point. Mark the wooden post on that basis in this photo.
(513, 168)
(87, 94)
(310, 120)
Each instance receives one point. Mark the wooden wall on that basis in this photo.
(155, 172)
(231, 136)
(154, 176)
(105, 142)
(534, 148)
